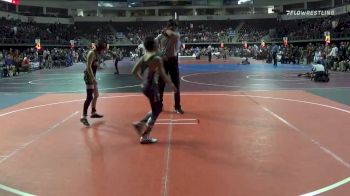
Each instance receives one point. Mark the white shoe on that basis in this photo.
(148, 140)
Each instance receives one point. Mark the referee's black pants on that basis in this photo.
(171, 67)
(274, 56)
(116, 66)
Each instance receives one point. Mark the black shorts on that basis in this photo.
(321, 76)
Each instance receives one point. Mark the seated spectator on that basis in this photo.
(336, 62)
(8, 66)
(344, 65)
(25, 66)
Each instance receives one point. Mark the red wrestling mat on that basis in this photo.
(226, 143)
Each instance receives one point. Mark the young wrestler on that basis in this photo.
(91, 81)
(148, 69)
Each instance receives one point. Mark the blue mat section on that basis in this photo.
(337, 94)
(10, 99)
(191, 68)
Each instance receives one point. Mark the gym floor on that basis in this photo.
(247, 130)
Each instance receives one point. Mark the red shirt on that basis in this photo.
(25, 61)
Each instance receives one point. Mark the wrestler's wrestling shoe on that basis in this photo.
(84, 121)
(148, 140)
(95, 115)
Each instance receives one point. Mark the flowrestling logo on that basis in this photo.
(310, 12)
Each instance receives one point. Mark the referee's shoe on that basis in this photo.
(179, 111)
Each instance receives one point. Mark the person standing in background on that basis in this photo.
(274, 54)
(209, 53)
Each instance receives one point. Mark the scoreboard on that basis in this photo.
(16, 2)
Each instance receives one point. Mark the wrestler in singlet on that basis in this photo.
(88, 80)
(148, 69)
(91, 82)
(150, 81)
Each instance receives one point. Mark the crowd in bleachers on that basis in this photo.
(190, 31)
(301, 29)
(253, 30)
(206, 32)
(93, 31)
(58, 57)
(334, 56)
(306, 29)
(12, 62)
(17, 32)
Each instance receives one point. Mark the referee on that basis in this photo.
(169, 42)
(274, 54)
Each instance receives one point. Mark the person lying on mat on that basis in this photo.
(318, 73)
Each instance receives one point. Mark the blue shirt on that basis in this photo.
(275, 49)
